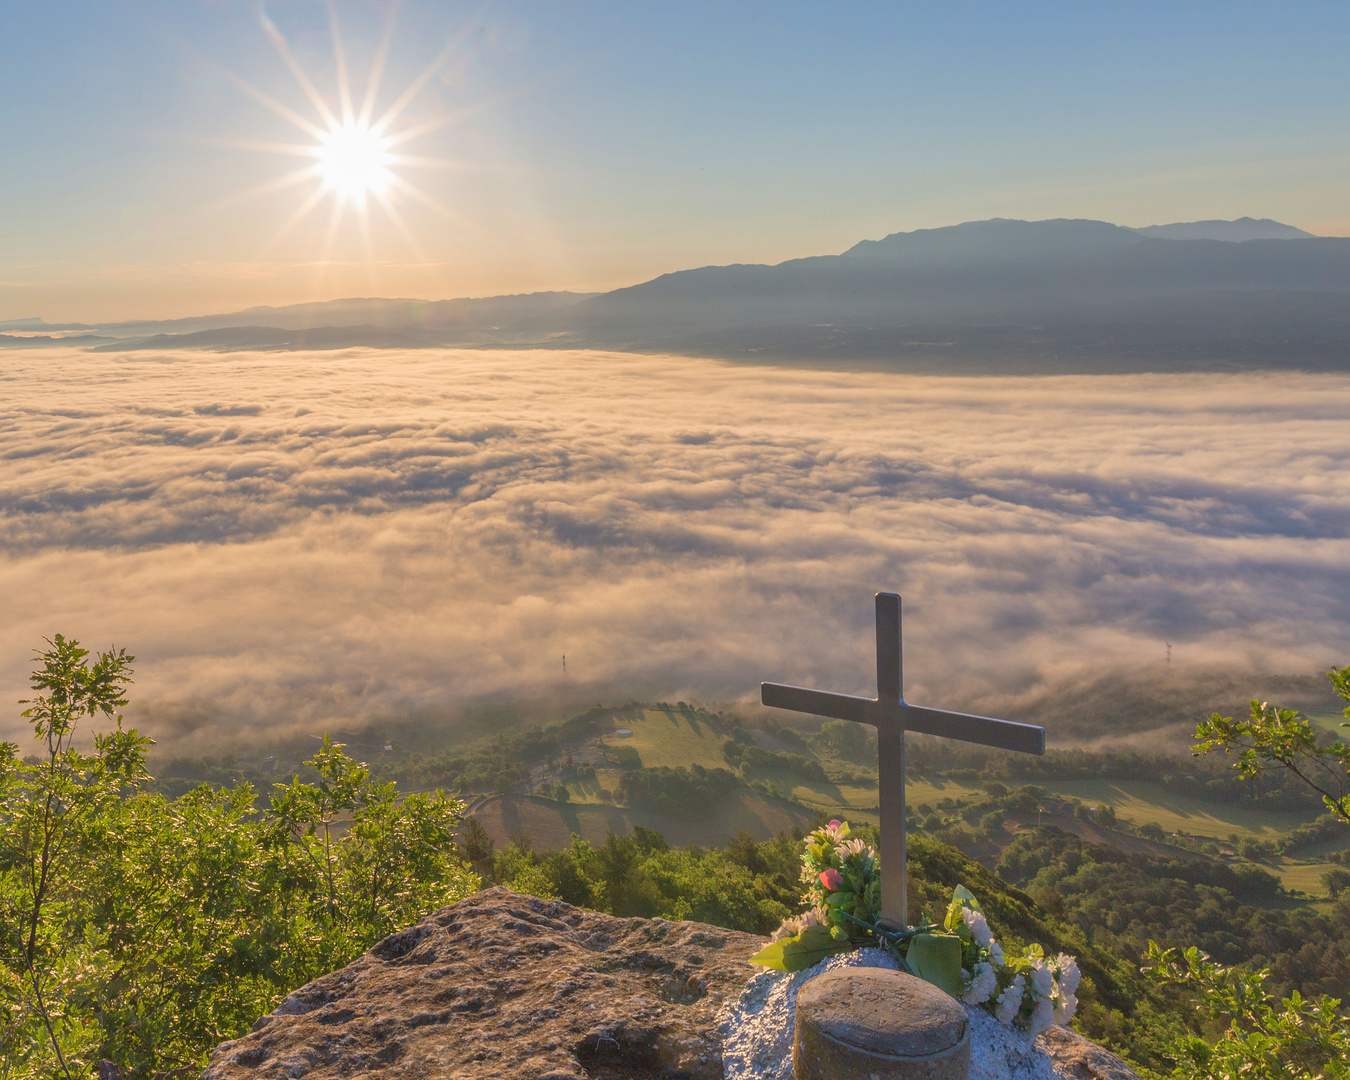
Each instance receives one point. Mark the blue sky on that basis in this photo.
(590, 145)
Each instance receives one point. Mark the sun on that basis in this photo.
(353, 161)
(353, 154)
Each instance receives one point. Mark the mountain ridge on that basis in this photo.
(1002, 294)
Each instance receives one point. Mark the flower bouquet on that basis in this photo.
(959, 955)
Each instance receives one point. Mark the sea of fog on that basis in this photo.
(295, 541)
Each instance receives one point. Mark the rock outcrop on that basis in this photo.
(504, 986)
(510, 987)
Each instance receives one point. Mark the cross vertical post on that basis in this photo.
(892, 717)
(891, 761)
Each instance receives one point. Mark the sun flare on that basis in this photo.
(354, 153)
(354, 160)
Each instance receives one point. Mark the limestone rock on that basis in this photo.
(504, 986)
(1077, 1059)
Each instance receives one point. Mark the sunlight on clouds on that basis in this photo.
(321, 537)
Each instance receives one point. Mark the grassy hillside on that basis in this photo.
(575, 777)
(669, 735)
(1142, 801)
(551, 824)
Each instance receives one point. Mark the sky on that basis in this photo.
(309, 541)
(585, 145)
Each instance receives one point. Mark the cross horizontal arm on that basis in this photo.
(982, 730)
(861, 710)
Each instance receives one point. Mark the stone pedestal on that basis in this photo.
(874, 1024)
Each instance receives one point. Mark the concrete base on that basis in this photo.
(875, 1024)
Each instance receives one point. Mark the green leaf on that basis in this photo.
(936, 958)
(967, 897)
(801, 951)
(961, 898)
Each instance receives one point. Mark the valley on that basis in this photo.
(780, 778)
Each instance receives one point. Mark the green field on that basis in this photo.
(850, 798)
(668, 737)
(1301, 874)
(674, 737)
(1330, 721)
(592, 791)
(1142, 801)
(1136, 801)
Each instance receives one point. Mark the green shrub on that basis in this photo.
(689, 793)
(146, 930)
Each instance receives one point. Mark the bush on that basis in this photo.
(748, 756)
(147, 930)
(625, 757)
(844, 737)
(680, 792)
(1265, 1037)
(1336, 882)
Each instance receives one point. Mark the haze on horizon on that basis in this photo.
(591, 146)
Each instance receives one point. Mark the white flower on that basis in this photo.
(979, 927)
(856, 846)
(1069, 974)
(1042, 1016)
(1010, 1001)
(794, 926)
(1042, 981)
(996, 953)
(982, 985)
(1065, 1006)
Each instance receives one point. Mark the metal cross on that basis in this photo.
(892, 717)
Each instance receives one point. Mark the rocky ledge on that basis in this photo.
(505, 986)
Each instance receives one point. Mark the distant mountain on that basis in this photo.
(1003, 295)
(34, 341)
(975, 274)
(998, 295)
(486, 314)
(266, 338)
(979, 245)
(39, 324)
(1238, 231)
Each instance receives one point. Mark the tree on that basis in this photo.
(46, 820)
(1275, 738)
(1266, 1039)
(1336, 882)
(146, 930)
(1292, 1039)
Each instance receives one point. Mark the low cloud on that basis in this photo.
(293, 541)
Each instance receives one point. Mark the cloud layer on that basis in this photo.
(314, 539)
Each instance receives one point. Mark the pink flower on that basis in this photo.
(834, 824)
(832, 879)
